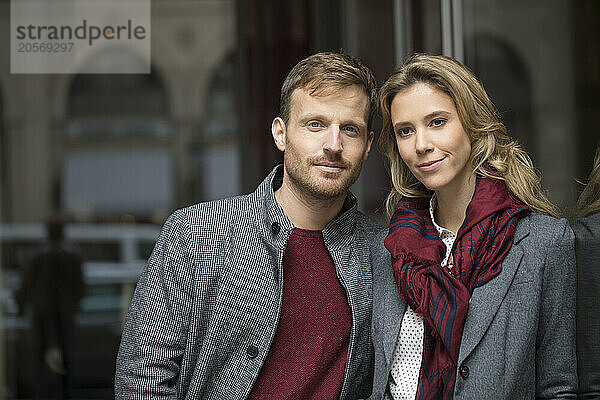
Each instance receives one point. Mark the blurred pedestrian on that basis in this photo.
(52, 287)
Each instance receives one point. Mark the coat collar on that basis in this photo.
(338, 233)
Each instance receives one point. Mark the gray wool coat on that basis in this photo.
(519, 336)
(206, 307)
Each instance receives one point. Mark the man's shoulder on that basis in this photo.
(215, 211)
(210, 222)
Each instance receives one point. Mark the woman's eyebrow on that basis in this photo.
(436, 114)
(426, 118)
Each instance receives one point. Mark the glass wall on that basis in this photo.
(524, 53)
(110, 156)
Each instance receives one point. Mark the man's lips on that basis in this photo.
(329, 166)
(430, 165)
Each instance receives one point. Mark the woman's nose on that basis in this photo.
(423, 142)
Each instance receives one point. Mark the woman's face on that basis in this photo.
(431, 139)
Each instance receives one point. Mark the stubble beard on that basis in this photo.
(317, 184)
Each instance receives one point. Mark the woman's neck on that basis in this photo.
(452, 205)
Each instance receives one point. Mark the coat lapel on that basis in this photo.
(486, 299)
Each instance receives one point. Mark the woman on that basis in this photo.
(587, 247)
(480, 298)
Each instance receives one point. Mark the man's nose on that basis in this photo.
(333, 140)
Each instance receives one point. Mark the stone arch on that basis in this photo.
(117, 133)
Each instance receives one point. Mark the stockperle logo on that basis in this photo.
(80, 36)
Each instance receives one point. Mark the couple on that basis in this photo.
(289, 292)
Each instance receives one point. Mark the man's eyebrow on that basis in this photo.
(308, 116)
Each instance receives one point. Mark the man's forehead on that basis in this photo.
(346, 96)
(328, 89)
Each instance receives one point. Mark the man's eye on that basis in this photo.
(314, 124)
(351, 129)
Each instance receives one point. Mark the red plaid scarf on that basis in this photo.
(441, 296)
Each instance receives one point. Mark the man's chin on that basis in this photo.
(330, 189)
(323, 185)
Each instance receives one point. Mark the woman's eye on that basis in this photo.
(403, 132)
(438, 122)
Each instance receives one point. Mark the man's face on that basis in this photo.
(325, 141)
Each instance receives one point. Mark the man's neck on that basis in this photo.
(306, 212)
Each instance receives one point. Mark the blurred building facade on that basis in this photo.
(132, 148)
(197, 128)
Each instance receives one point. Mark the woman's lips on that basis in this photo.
(430, 165)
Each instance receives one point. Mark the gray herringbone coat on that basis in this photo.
(206, 306)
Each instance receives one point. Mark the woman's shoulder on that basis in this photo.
(545, 230)
(546, 222)
(548, 246)
(378, 249)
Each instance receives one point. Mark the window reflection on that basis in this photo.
(523, 53)
(214, 152)
(119, 151)
(508, 79)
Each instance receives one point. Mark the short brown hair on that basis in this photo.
(322, 72)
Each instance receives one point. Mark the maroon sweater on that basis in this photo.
(307, 358)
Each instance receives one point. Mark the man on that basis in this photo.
(268, 295)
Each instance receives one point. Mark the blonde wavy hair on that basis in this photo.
(494, 154)
(589, 200)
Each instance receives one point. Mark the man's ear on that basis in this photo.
(278, 131)
(369, 142)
